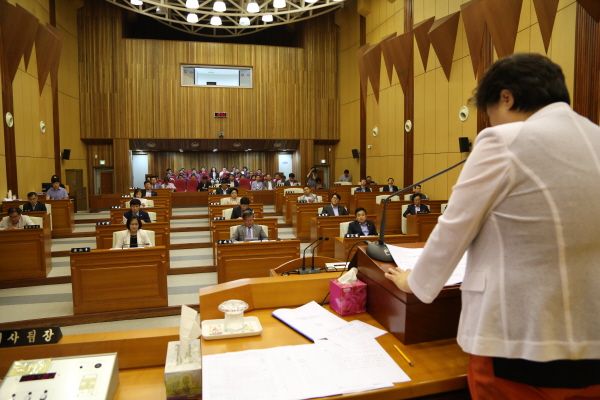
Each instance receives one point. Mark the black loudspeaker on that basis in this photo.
(354, 153)
(66, 154)
(464, 145)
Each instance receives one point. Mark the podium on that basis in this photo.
(112, 280)
(344, 244)
(403, 314)
(297, 263)
(253, 259)
(421, 224)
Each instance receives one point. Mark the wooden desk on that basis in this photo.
(365, 200)
(297, 263)
(158, 202)
(344, 244)
(421, 224)
(301, 215)
(219, 230)
(279, 199)
(111, 280)
(26, 254)
(162, 236)
(63, 216)
(263, 196)
(216, 210)
(179, 199)
(440, 366)
(253, 259)
(291, 200)
(162, 214)
(216, 198)
(164, 192)
(394, 216)
(329, 227)
(242, 191)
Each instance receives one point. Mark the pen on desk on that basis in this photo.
(404, 356)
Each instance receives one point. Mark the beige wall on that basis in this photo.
(35, 150)
(437, 101)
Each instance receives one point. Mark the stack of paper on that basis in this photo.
(406, 258)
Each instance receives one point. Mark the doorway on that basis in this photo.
(104, 180)
(139, 167)
(76, 188)
(285, 164)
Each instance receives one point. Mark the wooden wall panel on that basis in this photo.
(131, 88)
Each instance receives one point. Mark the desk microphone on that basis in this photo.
(313, 270)
(304, 254)
(378, 250)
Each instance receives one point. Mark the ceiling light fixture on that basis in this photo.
(244, 21)
(219, 6)
(216, 21)
(192, 4)
(252, 7)
(192, 18)
(267, 18)
(279, 3)
(137, 2)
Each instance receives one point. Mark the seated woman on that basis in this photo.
(233, 200)
(171, 184)
(361, 226)
(416, 207)
(134, 236)
(139, 194)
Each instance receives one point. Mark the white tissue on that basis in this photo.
(189, 330)
(348, 277)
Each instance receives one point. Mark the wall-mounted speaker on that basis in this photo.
(354, 153)
(66, 154)
(464, 145)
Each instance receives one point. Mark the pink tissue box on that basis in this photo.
(348, 298)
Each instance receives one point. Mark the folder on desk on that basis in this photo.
(310, 320)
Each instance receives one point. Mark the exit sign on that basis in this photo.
(220, 115)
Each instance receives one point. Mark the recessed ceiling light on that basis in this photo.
(195, 144)
(237, 144)
(277, 144)
(150, 144)
(215, 150)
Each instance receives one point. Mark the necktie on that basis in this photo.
(249, 233)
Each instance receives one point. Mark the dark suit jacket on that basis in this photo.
(203, 186)
(213, 175)
(235, 183)
(354, 227)
(288, 183)
(226, 191)
(153, 193)
(237, 212)
(143, 215)
(423, 197)
(411, 210)
(387, 188)
(328, 209)
(360, 189)
(39, 206)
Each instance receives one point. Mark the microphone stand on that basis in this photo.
(304, 253)
(313, 270)
(378, 250)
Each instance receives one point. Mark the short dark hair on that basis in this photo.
(368, 177)
(234, 190)
(146, 182)
(139, 220)
(292, 175)
(417, 186)
(138, 190)
(392, 179)
(247, 214)
(346, 171)
(31, 194)
(360, 209)
(414, 196)
(55, 180)
(135, 202)
(534, 81)
(245, 200)
(363, 179)
(336, 195)
(224, 181)
(306, 186)
(15, 210)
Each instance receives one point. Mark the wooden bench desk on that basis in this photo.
(162, 214)
(216, 210)
(253, 259)
(26, 254)
(219, 230)
(329, 227)
(301, 215)
(394, 216)
(421, 224)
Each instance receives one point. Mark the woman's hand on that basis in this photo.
(400, 278)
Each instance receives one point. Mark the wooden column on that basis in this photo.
(122, 161)
(307, 158)
(487, 59)
(409, 99)
(363, 109)
(55, 113)
(9, 132)
(587, 65)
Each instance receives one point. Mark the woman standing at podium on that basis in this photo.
(134, 235)
(530, 313)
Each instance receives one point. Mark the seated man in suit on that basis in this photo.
(417, 190)
(268, 183)
(224, 189)
(34, 204)
(248, 230)
(370, 182)
(256, 183)
(148, 192)
(134, 235)
(241, 209)
(361, 225)
(135, 205)
(154, 182)
(334, 209)
(56, 192)
(234, 200)
(232, 181)
(390, 186)
(308, 196)
(416, 207)
(204, 184)
(363, 186)
(15, 219)
(292, 181)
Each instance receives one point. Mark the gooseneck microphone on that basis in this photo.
(304, 253)
(378, 250)
(313, 252)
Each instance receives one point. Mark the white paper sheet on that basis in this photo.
(311, 320)
(354, 333)
(406, 258)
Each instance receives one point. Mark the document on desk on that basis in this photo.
(298, 372)
(406, 258)
(353, 334)
(310, 320)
